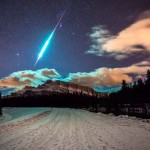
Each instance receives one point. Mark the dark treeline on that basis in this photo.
(51, 99)
(132, 99)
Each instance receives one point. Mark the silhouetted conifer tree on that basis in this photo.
(124, 85)
(140, 83)
(147, 82)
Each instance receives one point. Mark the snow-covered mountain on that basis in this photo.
(58, 87)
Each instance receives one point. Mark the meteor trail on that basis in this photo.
(48, 40)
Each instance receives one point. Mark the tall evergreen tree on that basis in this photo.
(124, 85)
(140, 83)
(147, 82)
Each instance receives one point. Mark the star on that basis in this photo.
(60, 25)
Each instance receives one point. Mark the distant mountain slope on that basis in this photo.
(58, 87)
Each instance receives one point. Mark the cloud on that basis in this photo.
(143, 63)
(108, 77)
(99, 79)
(131, 40)
(21, 79)
(6, 90)
(99, 36)
(50, 73)
(14, 82)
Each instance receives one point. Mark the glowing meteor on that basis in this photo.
(48, 40)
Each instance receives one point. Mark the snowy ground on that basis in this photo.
(71, 129)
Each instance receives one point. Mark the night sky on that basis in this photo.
(26, 24)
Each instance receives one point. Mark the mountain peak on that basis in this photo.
(58, 87)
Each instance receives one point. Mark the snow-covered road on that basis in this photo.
(70, 129)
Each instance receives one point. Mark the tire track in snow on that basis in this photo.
(52, 133)
(69, 129)
(94, 132)
(21, 137)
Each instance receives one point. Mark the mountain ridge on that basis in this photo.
(57, 87)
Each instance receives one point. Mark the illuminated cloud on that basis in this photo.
(99, 37)
(50, 73)
(107, 77)
(132, 40)
(14, 82)
(28, 78)
(143, 63)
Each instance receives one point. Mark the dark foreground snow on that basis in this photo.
(60, 129)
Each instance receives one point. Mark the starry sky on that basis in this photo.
(81, 44)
